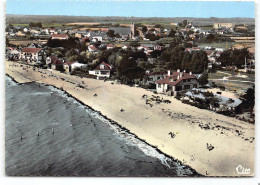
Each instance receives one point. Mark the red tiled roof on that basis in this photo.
(143, 47)
(209, 52)
(92, 47)
(55, 61)
(174, 76)
(59, 35)
(103, 29)
(31, 50)
(106, 66)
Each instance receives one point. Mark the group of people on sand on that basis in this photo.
(157, 99)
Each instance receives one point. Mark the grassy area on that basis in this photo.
(240, 85)
(44, 24)
(225, 45)
(20, 24)
(52, 24)
(218, 75)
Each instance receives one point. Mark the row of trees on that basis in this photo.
(175, 57)
(234, 57)
(70, 43)
(35, 24)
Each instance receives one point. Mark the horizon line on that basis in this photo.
(131, 16)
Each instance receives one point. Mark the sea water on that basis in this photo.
(48, 133)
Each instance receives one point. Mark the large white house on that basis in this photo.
(101, 71)
(33, 54)
(176, 82)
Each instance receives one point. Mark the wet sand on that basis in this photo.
(210, 143)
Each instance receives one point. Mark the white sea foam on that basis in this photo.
(129, 138)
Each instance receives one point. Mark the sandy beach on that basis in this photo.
(210, 143)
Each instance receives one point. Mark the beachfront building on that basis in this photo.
(176, 82)
(12, 53)
(68, 66)
(71, 66)
(32, 55)
(102, 71)
(153, 77)
(54, 63)
(92, 48)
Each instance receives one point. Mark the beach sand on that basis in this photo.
(195, 129)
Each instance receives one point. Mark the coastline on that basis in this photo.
(117, 125)
(162, 142)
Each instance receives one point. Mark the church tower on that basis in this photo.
(132, 29)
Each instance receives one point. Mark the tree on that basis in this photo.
(234, 57)
(203, 79)
(38, 24)
(7, 43)
(128, 70)
(250, 98)
(186, 61)
(184, 23)
(118, 35)
(70, 53)
(134, 44)
(210, 38)
(172, 33)
(35, 24)
(111, 33)
(158, 26)
(144, 29)
(136, 33)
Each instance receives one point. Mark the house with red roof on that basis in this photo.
(103, 70)
(54, 63)
(192, 49)
(32, 55)
(110, 46)
(60, 36)
(51, 31)
(176, 82)
(92, 48)
(68, 66)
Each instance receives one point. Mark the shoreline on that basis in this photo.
(112, 122)
(160, 140)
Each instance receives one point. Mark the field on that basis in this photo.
(235, 81)
(84, 23)
(217, 44)
(44, 24)
(23, 42)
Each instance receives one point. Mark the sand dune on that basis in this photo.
(212, 144)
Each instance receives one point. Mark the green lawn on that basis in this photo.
(44, 24)
(20, 24)
(52, 24)
(217, 44)
(240, 85)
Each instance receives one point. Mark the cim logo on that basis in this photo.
(242, 171)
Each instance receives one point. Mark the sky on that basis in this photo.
(203, 9)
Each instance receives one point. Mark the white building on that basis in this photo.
(101, 71)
